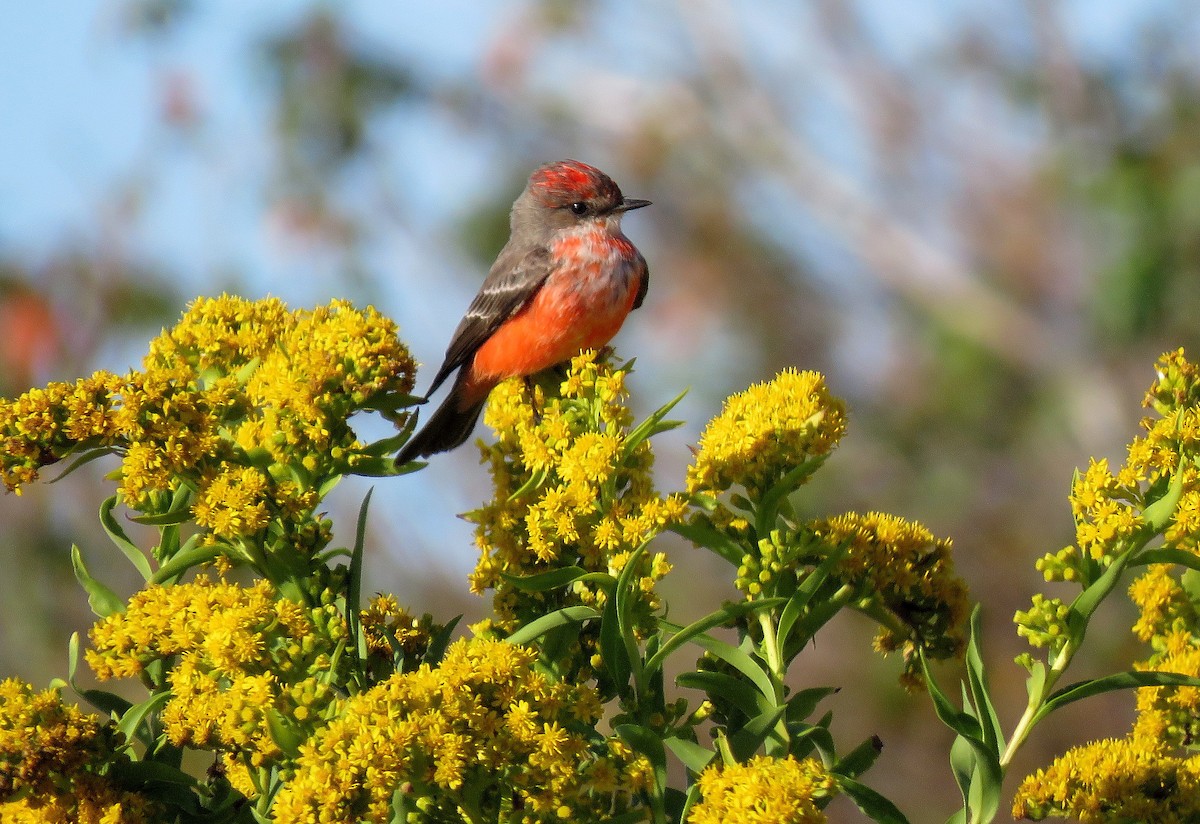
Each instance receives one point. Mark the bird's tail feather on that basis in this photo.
(448, 427)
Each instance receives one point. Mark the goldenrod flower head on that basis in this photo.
(570, 490)
(904, 569)
(766, 431)
(1114, 780)
(763, 791)
(237, 653)
(52, 763)
(484, 717)
(234, 376)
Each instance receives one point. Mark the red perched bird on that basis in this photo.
(563, 283)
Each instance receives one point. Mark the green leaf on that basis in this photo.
(805, 592)
(553, 579)
(103, 601)
(875, 806)
(859, 760)
(650, 427)
(179, 512)
(737, 659)
(962, 723)
(1036, 682)
(768, 506)
(985, 709)
(189, 555)
(1117, 681)
(566, 615)
(284, 732)
(440, 640)
(85, 458)
(1158, 514)
(745, 742)
(1089, 600)
(625, 593)
(691, 755)
(647, 742)
(804, 703)
(613, 650)
(726, 687)
(354, 585)
(727, 613)
(117, 535)
(106, 702)
(1162, 555)
(132, 720)
(705, 535)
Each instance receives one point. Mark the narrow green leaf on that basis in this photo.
(961, 722)
(859, 760)
(691, 755)
(875, 806)
(626, 593)
(132, 720)
(651, 426)
(709, 537)
(566, 615)
(103, 601)
(768, 505)
(164, 519)
(740, 661)
(117, 535)
(726, 687)
(745, 742)
(284, 732)
(1087, 601)
(647, 742)
(613, 650)
(1158, 514)
(985, 709)
(440, 641)
(1163, 555)
(1117, 681)
(191, 554)
(553, 579)
(84, 458)
(354, 586)
(1036, 682)
(727, 613)
(804, 702)
(804, 593)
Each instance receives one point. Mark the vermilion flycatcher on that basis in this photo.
(563, 283)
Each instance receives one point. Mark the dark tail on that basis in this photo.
(447, 428)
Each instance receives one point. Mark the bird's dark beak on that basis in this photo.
(630, 203)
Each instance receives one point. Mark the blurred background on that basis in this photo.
(980, 219)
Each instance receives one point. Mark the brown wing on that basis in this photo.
(643, 287)
(513, 280)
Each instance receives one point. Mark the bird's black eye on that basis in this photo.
(579, 208)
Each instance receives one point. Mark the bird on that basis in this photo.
(563, 283)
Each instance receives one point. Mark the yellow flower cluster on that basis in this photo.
(391, 632)
(1109, 506)
(1130, 779)
(901, 568)
(765, 432)
(235, 387)
(1148, 775)
(763, 791)
(236, 654)
(52, 760)
(481, 732)
(570, 490)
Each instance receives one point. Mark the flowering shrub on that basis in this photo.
(251, 640)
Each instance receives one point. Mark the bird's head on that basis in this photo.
(566, 193)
